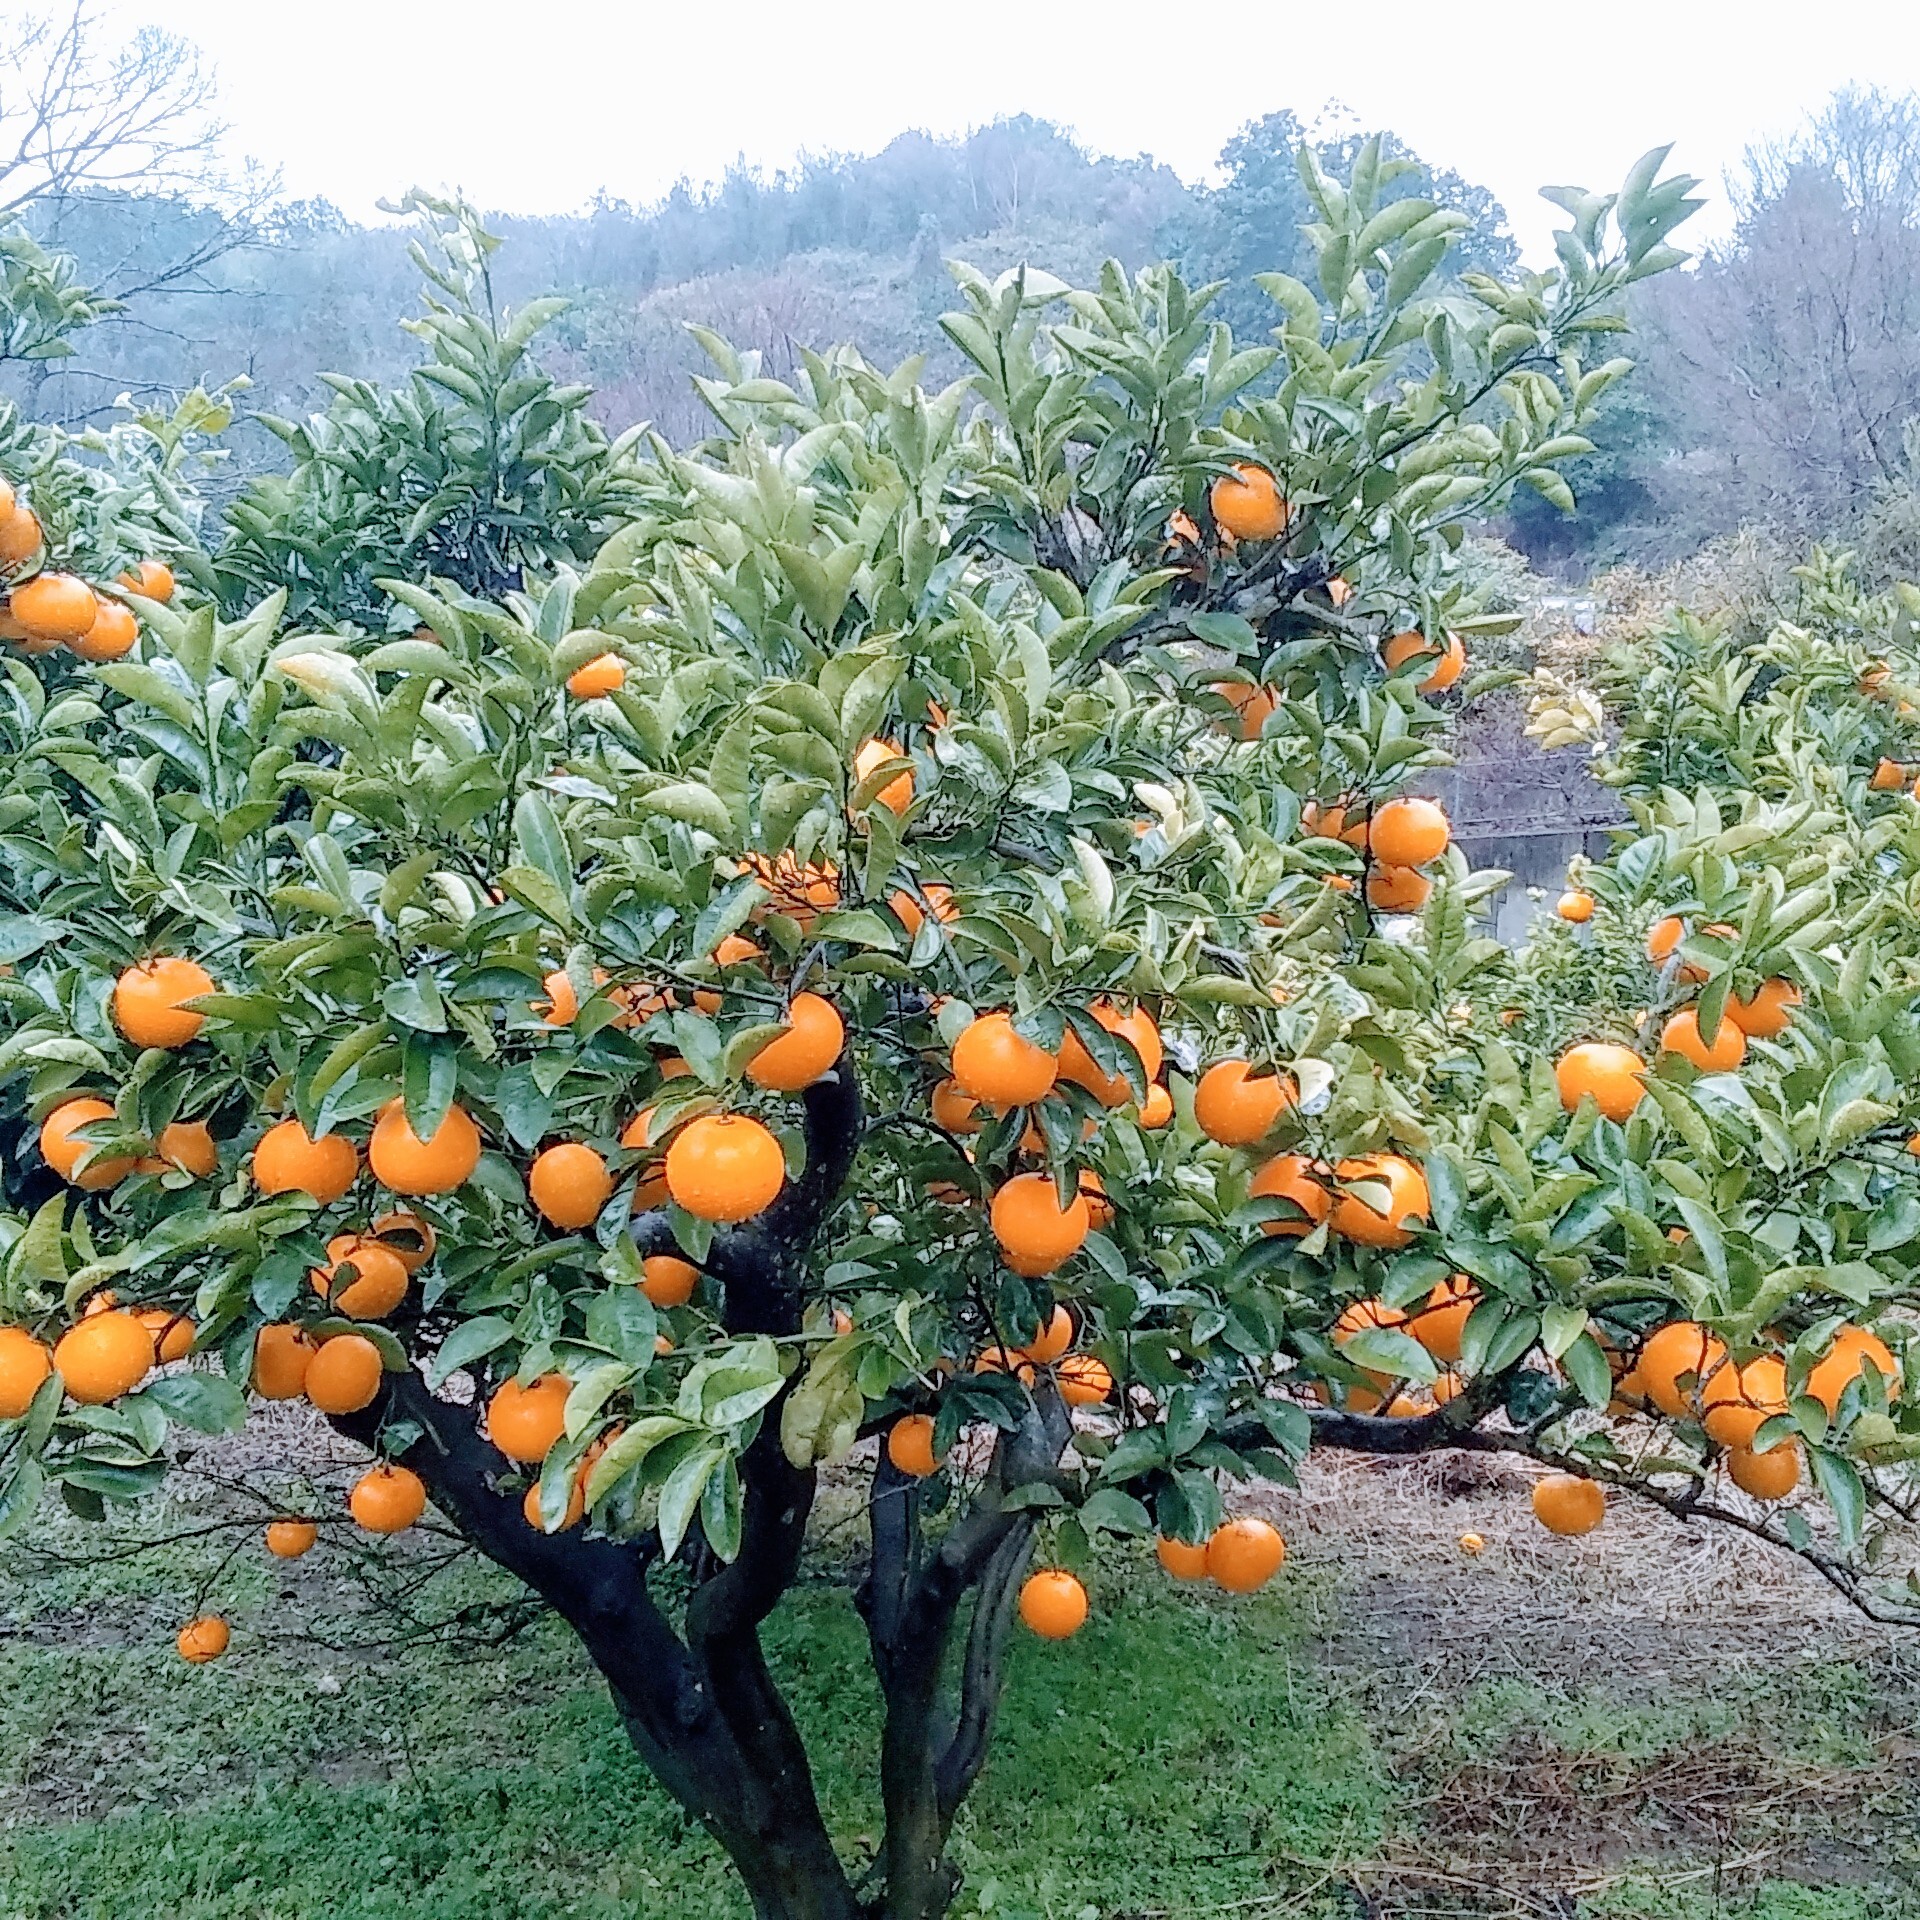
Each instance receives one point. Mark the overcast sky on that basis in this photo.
(535, 107)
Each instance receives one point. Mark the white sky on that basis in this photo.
(533, 107)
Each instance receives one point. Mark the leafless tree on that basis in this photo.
(1787, 360)
(77, 118)
(111, 149)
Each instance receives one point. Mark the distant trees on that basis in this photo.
(1790, 354)
(1252, 222)
(109, 151)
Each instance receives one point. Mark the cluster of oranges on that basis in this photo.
(1247, 504)
(1399, 838)
(1613, 1076)
(1240, 1556)
(385, 1499)
(54, 609)
(1684, 1371)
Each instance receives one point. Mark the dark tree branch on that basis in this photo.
(983, 1673)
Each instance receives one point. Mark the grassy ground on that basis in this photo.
(1385, 1733)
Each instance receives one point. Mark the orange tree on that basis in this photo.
(923, 939)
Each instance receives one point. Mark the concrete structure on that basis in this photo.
(1516, 807)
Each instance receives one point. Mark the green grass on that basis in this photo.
(1161, 1759)
(1184, 1755)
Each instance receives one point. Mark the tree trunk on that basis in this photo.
(700, 1706)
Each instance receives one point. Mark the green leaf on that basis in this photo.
(1111, 1510)
(636, 1441)
(691, 802)
(470, 1341)
(1845, 1494)
(540, 842)
(203, 1401)
(680, 1496)
(536, 890)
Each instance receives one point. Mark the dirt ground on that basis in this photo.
(1676, 1709)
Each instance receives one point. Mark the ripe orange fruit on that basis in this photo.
(1397, 889)
(1682, 1035)
(1159, 1108)
(1184, 1562)
(996, 1359)
(569, 1184)
(995, 1064)
(1291, 1176)
(1766, 1476)
(1235, 1108)
(1889, 776)
(897, 794)
(1449, 664)
(953, 1108)
(378, 1283)
(1054, 1339)
(1331, 823)
(19, 537)
(281, 1356)
(576, 1505)
(410, 1165)
(1768, 1012)
(1674, 1361)
(1255, 706)
(1575, 906)
(1439, 1325)
(1408, 1200)
(387, 1499)
(1248, 504)
(24, 1365)
(524, 1422)
(289, 1160)
(940, 902)
(186, 1144)
(1408, 833)
(1084, 1380)
(805, 1052)
(204, 1639)
(1611, 1074)
(1243, 1555)
(344, 1375)
(1666, 936)
(410, 1239)
(802, 892)
(605, 673)
(151, 579)
(1852, 1351)
(1472, 1543)
(725, 1166)
(289, 1539)
(55, 606)
(112, 634)
(1663, 937)
(667, 1281)
(735, 950)
(1137, 1027)
(63, 1153)
(910, 1445)
(1053, 1604)
(105, 1355)
(171, 1333)
(562, 1002)
(1566, 1504)
(1358, 1315)
(1035, 1232)
(1739, 1399)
